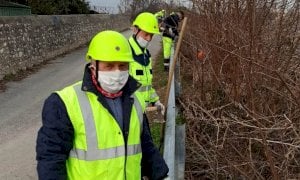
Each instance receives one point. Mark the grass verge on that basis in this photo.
(159, 82)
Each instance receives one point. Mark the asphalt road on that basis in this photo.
(21, 105)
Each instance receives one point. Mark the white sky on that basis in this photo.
(110, 3)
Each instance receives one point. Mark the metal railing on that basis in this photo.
(174, 138)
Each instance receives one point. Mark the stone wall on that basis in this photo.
(29, 40)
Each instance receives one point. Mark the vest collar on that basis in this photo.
(135, 46)
(140, 55)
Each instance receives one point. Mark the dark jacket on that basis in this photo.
(171, 24)
(55, 137)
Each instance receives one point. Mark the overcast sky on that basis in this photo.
(110, 3)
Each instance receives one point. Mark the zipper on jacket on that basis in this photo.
(125, 135)
(125, 166)
(147, 75)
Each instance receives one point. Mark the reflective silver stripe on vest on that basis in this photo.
(145, 88)
(139, 110)
(92, 152)
(103, 154)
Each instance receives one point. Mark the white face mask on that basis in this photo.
(112, 81)
(142, 42)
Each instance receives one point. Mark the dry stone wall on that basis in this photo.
(29, 40)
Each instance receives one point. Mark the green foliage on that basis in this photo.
(161, 77)
(180, 119)
(79, 7)
(155, 132)
(24, 2)
(48, 7)
(8, 77)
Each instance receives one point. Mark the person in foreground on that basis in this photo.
(95, 128)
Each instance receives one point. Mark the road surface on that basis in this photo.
(21, 105)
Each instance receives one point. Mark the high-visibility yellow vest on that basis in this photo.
(167, 45)
(99, 150)
(143, 74)
(159, 14)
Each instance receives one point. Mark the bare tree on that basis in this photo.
(133, 7)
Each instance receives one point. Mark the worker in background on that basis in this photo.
(170, 31)
(95, 128)
(160, 15)
(144, 27)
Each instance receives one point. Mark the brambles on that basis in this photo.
(244, 119)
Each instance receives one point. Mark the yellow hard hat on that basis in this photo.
(109, 46)
(147, 22)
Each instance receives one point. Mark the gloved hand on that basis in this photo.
(175, 39)
(160, 107)
(162, 29)
(170, 32)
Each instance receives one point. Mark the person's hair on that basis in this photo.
(182, 13)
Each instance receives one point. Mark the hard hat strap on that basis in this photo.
(97, 67)
(138, 30)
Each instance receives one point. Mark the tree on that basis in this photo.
(45, 7)
(133, 7)
(24, 2)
